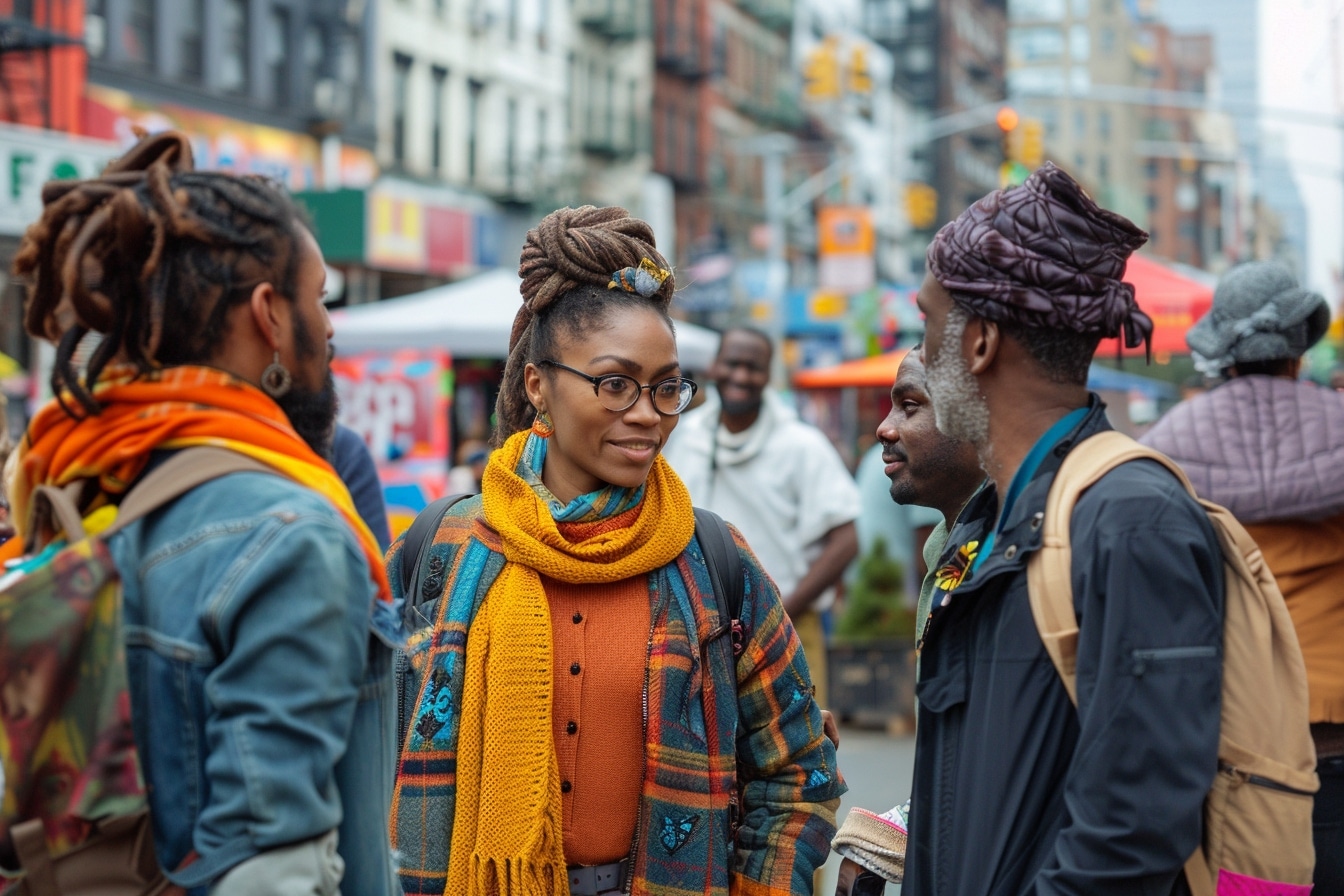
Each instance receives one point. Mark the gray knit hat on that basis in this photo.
(1259, 313)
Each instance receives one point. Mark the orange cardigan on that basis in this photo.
(1307, 559)
(601, 658)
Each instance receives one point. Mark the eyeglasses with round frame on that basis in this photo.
(619, 392)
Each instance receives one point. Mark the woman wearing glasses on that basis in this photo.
(580, 723)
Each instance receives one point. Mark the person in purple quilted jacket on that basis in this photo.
(1269, 446)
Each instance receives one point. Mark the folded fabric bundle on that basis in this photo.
(877, 842)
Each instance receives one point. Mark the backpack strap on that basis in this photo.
(725, 571)
(1049, 570)
(172, 479)
(178, 475)
(416, 545)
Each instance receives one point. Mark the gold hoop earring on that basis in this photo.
(542, 427)
(275, 379)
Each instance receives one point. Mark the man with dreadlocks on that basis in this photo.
(1015, 791)
(256, 608)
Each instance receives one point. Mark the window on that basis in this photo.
(474, 89)
(1153, 202)
(1079, 124)
(1104, 124)
(1106, 38)
(23, 10)
(1079, 9)
(510, 142)
(277, 56)
(1079, 43)
(138, 35)
(95, 28)
(1035, 10)
(1151, 169)
(542, 127)
(512, 19)
(1080, 80)
(190, 45)
(233, 63)
(401, 85)
(1042, 43)
(437, 115)
(1048, 81)
(1103, 167)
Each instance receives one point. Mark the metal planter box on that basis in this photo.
(873, 683)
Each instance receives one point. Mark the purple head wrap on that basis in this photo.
(1043, 255)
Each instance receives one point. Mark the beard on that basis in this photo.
(959, 411)
(313, 415)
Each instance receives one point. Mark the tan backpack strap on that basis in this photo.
(30, 847)
(1049, 571)
(55, 509)
(178, 475)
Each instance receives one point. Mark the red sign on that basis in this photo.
(398, 402)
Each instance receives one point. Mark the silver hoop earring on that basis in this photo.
(275, 379)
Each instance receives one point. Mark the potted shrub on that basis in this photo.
(872, 657)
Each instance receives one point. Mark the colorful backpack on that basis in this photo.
(74, 817)
(1257, 815)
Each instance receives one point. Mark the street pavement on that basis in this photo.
(878, 768)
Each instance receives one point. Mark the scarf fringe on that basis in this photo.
(516, 876)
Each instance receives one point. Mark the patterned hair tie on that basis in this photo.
(646, 279)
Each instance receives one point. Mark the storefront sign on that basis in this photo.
(220, 143)
(29, 158)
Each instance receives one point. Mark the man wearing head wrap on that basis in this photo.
(1015, 790)
(1269, 447)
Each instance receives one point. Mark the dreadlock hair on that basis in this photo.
(152, 255)
(568, 260)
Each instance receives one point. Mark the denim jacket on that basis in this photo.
(261, 698)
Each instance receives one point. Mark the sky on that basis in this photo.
(1301, 54)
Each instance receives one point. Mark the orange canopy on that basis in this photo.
(1172, 300)
(879, 370)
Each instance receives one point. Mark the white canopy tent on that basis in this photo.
(470, 319)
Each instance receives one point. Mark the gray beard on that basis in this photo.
(959, 411)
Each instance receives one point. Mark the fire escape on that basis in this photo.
(26, 70)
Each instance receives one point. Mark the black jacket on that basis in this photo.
(1015, 791)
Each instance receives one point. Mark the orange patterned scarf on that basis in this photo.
(180, 407)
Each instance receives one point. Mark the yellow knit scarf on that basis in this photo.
(507, 828)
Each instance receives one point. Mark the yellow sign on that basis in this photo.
(396, 235)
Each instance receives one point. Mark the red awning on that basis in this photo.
(879, 370)
(1171, 299)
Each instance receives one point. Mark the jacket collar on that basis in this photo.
(1021, 532)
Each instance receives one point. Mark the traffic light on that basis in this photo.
(858, 77)
(821, 72)
(921, 205)
(1006, 119)
(1030, 143)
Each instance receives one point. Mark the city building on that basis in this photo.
(950, 67)
(1237, 34)
(1069, 63)
(724, 74)
(1190, 154)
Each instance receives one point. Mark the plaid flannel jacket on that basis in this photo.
(711, 733)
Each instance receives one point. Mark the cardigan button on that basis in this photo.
(578, 617)
(574, 669)
(566, 787)
(571, 727)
